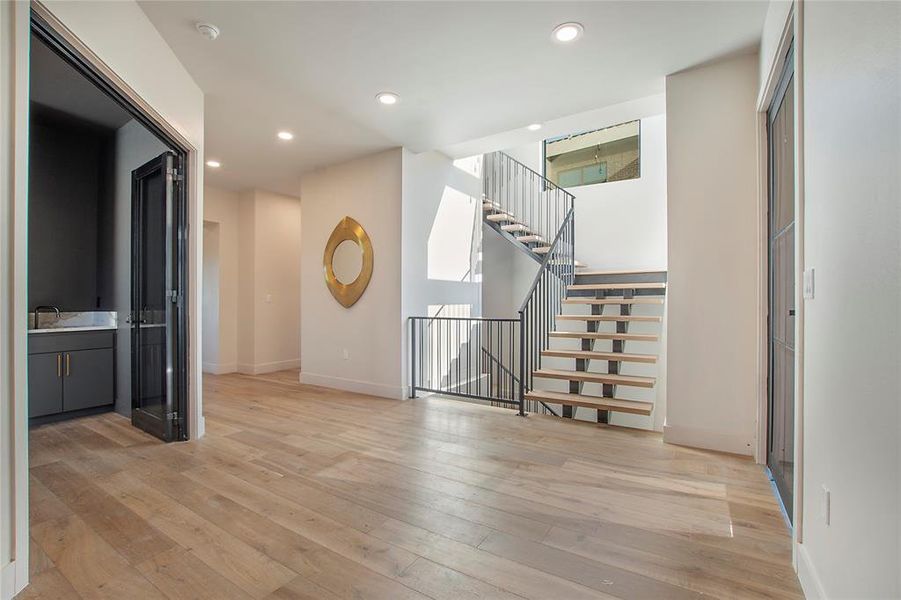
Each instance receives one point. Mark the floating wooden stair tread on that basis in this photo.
(601, 335)
(614, 404)
(589, 377)
(526, 239)
(593, 355)
(490, 206)
(613, 300)
(500, 217)
(593, 287)
(514, 227)
(557, 261)
(622, 318)
(541, 250)
(614, 272)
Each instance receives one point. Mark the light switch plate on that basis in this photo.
(808, 284)
(826, 508)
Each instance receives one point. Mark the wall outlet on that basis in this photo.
(826, 506)
(808, 284)
(345, 354)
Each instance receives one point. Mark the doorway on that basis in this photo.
(107, 263)
(780, 454)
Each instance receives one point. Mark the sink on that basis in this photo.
(73, 321)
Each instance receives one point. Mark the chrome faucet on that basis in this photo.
(39, 309)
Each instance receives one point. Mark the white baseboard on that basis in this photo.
(708, 439)
(352, 385)
(270, 367)
(807, 575)
(13, 579)
(219, 368)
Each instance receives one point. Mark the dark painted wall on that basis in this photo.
(70, 183)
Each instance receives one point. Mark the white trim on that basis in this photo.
(353, 385)
(15, 265)
(810, 581)
(219, 368)
(709, 439)
(269, 367)
(791, 31)
(8, 581)
(800, 265)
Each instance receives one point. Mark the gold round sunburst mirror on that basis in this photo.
(347, 262)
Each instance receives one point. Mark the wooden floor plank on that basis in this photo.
(301, 492)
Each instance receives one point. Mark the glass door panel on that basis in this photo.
(781, 377)
(153, 308)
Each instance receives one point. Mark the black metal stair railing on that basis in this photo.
(542, 304)
(468, 357)
(493, 359)
(515, 189)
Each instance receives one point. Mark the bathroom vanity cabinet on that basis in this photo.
(70, 371)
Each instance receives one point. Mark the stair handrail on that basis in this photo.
(542, 301)
(546, 260)
(514, 188)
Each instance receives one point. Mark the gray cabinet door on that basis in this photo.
(45, 384)
(88, 378)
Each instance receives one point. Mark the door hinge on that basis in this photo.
(173, 296)
(175, 174)
(172, 416)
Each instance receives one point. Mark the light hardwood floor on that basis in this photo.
(302, 492)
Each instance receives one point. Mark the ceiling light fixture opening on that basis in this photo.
(387, 98)
(568, 32)
(215, 164)
(534, 127)
(208, 30)
(285, 135)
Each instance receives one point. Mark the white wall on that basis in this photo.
(507, 275)
(852, 327)
(621, 224)
(274, 284)
(211, 268)
(221, 207)
(259, 284)
(134, 146)
(713, 256)
(368, 189)
(122, 37)
(441, 222)
(775, 25)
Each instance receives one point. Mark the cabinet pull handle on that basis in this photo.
(59, 365)
(68, 358)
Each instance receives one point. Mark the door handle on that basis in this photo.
(68, 359)
(59, 365)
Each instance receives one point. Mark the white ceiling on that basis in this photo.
(464, 70)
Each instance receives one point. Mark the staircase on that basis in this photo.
(582, 367)
(586, 364)
(566, 353)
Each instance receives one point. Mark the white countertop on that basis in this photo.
(68, 329)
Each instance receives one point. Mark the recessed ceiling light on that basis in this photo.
(568, 32)
(387, 98)
(213, 163)
(285, 135)
(534, 127)
(208, 30)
